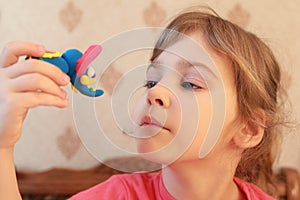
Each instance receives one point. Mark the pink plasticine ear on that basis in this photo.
(85, 60)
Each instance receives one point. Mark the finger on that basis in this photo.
(36, 82)
(37, 66)
(13, 50)
(34, 99)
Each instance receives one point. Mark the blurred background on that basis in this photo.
(50, 138)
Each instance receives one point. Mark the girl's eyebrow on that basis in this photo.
(195, 64)
(153, 64)
(186, 64)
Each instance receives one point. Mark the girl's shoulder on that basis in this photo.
(251, 191)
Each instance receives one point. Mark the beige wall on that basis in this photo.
(50, 138)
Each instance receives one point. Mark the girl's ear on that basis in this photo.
(251, 132)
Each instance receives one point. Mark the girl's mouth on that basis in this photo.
(150, 121)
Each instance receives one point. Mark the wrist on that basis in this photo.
(6, 151)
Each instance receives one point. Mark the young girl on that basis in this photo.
(240, 160)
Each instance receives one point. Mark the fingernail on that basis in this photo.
(66, 78)
(65, 101)
(41, 48)
(50, 51)
(63, 94)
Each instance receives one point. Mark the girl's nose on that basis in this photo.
(160, 96)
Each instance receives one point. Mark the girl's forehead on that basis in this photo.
(189, 50)
(170, 59)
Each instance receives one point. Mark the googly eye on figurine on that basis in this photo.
(77, 66)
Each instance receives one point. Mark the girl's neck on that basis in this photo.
(199, 180)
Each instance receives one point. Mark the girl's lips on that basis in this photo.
(147, 120)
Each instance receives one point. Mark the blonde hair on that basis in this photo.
(257, 79)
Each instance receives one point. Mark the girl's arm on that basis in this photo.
(23, 85)
(8, 181)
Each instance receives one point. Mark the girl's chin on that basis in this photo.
(154, 151)
(149, 146)
(152, 133)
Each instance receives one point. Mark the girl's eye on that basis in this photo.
(189, 85)
(91, 72)
(150, 84)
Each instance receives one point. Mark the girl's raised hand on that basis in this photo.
(26, 84)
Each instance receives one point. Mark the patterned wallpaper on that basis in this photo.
(50, 137)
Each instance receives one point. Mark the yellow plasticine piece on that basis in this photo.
(74, 89)
(51, 55)
(85, 80)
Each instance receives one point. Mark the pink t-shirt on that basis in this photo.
(148, 186)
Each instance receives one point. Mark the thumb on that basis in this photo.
(13, 50)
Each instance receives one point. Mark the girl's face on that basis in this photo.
(185, 103)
